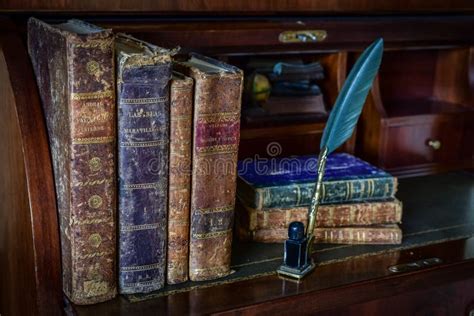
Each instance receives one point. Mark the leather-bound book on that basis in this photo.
(143, 77)
(331, 215)
(181, 123)
(217, 101)
(74, 67)
(373, 235)
(288, 182)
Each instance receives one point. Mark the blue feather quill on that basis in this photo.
(339, 128)
(349, 103)
(344, 115)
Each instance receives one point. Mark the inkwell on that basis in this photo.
(297, 260)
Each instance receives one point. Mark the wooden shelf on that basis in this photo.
(414, 107)
(242, 7)
(364, 284)
(29, 247)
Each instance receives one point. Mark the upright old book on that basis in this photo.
(181, 116)
(74, 67)
(143, 76)
(289, 182)
(217, 100)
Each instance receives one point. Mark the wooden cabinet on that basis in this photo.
(420, 114)
(423, 93)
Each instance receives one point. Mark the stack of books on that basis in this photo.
(144, 152)
(358, 200)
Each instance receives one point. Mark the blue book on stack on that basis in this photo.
(266, 183)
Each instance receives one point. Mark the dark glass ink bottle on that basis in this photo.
(295, 247)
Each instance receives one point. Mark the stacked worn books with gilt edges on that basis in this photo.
(358, 200)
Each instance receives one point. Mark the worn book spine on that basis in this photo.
(217, 101)
(181, 122)
(333, 215)
(75, 75)
(376, 235)
(333, 192)
(143, 122)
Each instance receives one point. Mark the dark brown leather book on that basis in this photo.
(143, 76)
(74, 67)
(374, 235)
(217, 101)
(331, 215)
(181, 123)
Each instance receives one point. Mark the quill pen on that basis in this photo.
(297, 260)
(343, 117)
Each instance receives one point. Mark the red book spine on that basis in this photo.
(217, 102)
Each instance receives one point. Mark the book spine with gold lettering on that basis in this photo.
(333, 192)
(217, 101)
(74, 66)
(329, 215)
(181, 123)
(143, 149)
(372, 235)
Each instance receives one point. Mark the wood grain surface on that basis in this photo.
(330, 287)
(241, 7)
(29, 242)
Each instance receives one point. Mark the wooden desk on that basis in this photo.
(29, 239)
(356, 286)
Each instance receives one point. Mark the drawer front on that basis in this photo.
(257, 34)
(433, 142)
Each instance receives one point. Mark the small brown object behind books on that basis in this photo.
(74, 67)
(217, 101)
(181, 122)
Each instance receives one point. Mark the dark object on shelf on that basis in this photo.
(296, 262)
(283, 87)
(286, 71)
(295, 88)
